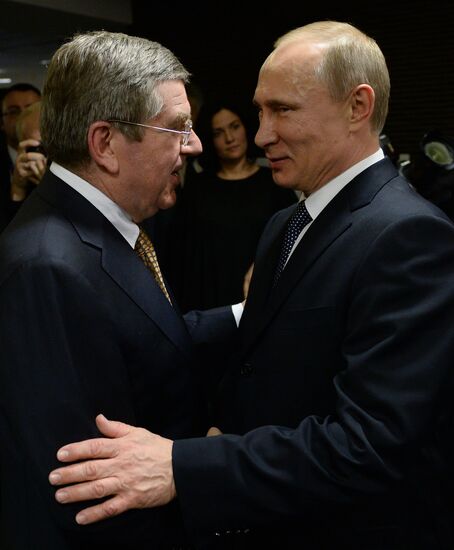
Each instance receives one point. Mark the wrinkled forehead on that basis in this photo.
(175, 100)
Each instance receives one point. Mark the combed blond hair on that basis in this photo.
(350, 58)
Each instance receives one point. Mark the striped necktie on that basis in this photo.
(145, 249)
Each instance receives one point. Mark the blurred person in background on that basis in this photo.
(31, 160)
(222, 211)
(15, 99)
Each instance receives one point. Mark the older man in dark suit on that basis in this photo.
(87, 323)
(341, 397)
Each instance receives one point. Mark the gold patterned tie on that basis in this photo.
(145, 249)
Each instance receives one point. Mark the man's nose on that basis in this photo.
(194, 146)
(266, 133)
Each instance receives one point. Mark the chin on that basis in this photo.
(168, 201)
(280, 180)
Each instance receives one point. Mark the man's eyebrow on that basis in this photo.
(274, 103)
(179, 120)
(182, 117)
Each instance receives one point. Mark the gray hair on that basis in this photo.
(350, 58)
(102, 75)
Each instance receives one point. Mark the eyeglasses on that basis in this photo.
(13, 112)
(183, 133)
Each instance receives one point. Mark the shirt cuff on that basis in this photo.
(237, 310)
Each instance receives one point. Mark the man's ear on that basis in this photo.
(100, 144)
(362, 102)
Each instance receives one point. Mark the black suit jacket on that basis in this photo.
(7, 207)
(84, 329)
(343, 385)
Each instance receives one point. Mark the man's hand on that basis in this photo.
(134, 466)
(28, 167)
(213, 431)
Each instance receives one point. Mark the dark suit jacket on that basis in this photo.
(84, 329)
(343, 385)
(7, 207)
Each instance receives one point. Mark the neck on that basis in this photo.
(238, 169)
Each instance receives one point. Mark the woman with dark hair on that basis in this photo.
(223, 211)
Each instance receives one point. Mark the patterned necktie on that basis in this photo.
(297, 221)
(145, 249)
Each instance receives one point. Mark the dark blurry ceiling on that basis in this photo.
(31, 31)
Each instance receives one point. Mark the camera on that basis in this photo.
(35, 149)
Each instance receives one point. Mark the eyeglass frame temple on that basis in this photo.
(185, 133)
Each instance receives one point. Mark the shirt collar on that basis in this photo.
(317, 201)
(120, 219)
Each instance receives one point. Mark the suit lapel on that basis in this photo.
(264, 302)
(262, 308)
(118, 259)
(265, 263)
(326, 228)
(128, 270)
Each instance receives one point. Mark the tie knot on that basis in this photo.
(301, 216)
(143, 242)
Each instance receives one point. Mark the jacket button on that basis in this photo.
(247, 369)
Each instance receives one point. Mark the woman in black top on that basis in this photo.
(220, 214)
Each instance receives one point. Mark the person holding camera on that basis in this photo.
(14, 100)
(31, 161)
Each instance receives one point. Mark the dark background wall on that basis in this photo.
(224, 47)
(225, 52)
